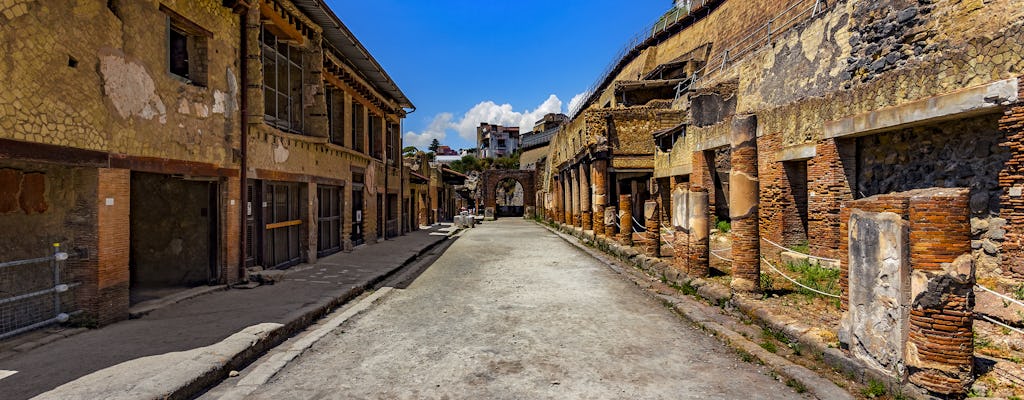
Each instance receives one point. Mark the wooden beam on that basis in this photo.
(284, 224)
(279, 26)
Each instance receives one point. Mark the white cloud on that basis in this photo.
(489, 112)
(577, 101)
(436, 130)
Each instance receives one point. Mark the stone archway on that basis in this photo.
(491, 178)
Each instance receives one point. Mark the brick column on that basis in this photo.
(626, 219)
(828, 187)
(940, 352)
(698, 246)
(232, 192)
(743, 205)
(652, 221)
(599, 170)
(110, 280)
(312, 220)
(574, 178)
(567, 198)
(585, 211)
(1011, 181)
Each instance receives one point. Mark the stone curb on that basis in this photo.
(263, 372)
(146, 307)
(815, 384)
(189, 388)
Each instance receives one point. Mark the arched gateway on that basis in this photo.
(491, 178)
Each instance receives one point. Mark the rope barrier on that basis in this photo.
(722, 249)
(808, 255)
(795, 282)
(985, 317)
(1003, 296)
(720, 257)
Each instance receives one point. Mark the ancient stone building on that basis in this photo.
(323, 164)
(789, 117)
(165, 144)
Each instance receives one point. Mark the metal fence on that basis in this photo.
(35, 293)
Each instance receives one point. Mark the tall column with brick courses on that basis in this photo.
(743, 205)
(626, 219)
(567, 200)
(585, 190)
(574, 177)
(1011, 181)
(699, 248)
(940, 350)
(700, 176)
(232, 231)
(110, 303)
(311, 222)
(828, 187)
(599, 171)
(776, 196)
(652, 222)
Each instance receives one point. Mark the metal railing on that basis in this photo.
(757, 38)
(760, 37)
(660, 25)
(35, 293)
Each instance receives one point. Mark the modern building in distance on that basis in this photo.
(446, 151)
(494, 141)
(534, 144)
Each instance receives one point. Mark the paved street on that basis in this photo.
(512, 311)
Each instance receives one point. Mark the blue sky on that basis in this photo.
(509, 62)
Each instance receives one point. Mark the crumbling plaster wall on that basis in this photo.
(109, 88)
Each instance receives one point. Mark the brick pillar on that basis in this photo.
(585, 211)
(567, 198)
(599, 171)
(111, 276)
(828, 187)
(232, 194)
(1011, 181)
(626, 219)
(574, 178)
(698, 247)
(700, 176)
(743, 205)
(940, 352)
(652, 221)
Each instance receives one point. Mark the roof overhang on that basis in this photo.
(342, 39)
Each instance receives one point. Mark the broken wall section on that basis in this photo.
(916, 286)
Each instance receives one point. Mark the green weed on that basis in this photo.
(796, 385)
(874, 389)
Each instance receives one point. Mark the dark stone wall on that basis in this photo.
(170, 231)
(961, 153)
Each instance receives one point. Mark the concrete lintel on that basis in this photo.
(713, 143)
(962, 103)
(799, 152)
(673, 171)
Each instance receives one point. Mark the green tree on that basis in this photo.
(467, 163)
(434, 144)
(409, 151)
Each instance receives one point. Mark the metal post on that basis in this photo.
(817, 3)
(55, 264)
(725, 58)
